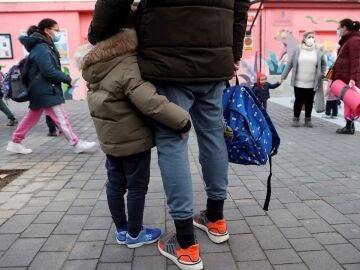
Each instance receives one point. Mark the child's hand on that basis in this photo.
(351, 83)
(184, 133)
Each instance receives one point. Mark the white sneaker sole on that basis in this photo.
(120, 242)
(182, 266)
(216, 238)
(141, 243)
(88, 150)
(18, 152)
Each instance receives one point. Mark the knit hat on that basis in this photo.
(306, 33)
(258, 76)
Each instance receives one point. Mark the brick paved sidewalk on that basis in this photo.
(55, 215)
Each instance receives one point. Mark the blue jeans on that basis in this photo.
(204, 103)
(129, 174)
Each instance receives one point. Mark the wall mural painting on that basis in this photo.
(247, 74)
(276, 62)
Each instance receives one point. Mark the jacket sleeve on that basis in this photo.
(354, 57)
(289, 66)
(47, 66)
(323, 64)
(144, 96)
(2, 78)
(108, 16)
(274, 85)
(256, 91)
(240, 22)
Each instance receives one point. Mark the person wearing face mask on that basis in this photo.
(308, 65)
(347, 65)
(44, 78)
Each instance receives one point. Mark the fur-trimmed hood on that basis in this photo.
(119, 44)
(97, 61)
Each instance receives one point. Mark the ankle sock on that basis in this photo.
(185, 232)
(214, 210)
(121, 227)
(134, 232)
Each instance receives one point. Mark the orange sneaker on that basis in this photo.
(185, 259)
(216, 231)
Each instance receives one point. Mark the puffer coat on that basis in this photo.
(347, 65)
(186, 41)
(120, 102)
(44, 74)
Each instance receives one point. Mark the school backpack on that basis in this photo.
(15, 84)
(250, 136)
(2, 76)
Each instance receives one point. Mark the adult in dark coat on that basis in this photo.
(43, 74)
(347, 65)
(187, 48)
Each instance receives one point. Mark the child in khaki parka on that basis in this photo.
(120, 104)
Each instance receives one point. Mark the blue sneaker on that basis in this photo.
(146, 236)
(120, 237)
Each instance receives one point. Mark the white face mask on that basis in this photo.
(339, 32)
(310, 42)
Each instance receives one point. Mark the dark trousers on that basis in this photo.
(128, 174)
(303, 96)
(331, 105)
(6, 110)
(264, 103)
(51, 124)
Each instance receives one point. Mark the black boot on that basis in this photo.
(296, 122)
(308, 122)
(353, 126)
(347, 129)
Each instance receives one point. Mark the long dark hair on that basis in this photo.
(350, 24)
(42, 25)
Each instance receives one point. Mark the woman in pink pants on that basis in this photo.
(44, 76)
(346, 67)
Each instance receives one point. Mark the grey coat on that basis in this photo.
(321, 67)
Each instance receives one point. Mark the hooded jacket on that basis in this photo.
(347, 65)
(44, 72)
(119, 99)
(185, 41)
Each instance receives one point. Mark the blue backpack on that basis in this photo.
(250, 136)
(15, 84)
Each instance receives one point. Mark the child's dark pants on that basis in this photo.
(331, 105)
(51, 124)
(128, 174)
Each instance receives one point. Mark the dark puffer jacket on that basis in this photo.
(182, 41)
(45, 75)
(347, 66)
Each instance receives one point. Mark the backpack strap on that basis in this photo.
(268, 189)
(342, 92)
(237, 82)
